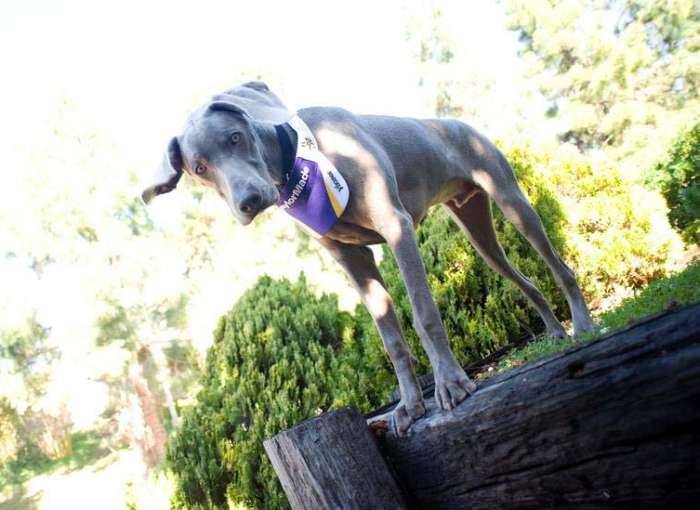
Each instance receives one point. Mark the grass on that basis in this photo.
(110, 483)
(85, 450)
(679, 289)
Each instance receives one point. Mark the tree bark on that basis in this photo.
(166, 383)
(153, 437)
(612, 423)
(332, 462)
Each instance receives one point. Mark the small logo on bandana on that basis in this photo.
(316, 193)
(308, 143)
(336, 182)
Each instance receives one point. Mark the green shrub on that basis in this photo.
(613, 234)
(618, 238)
(280, 356)
(678, 179)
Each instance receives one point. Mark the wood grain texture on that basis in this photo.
(611, 424)
(332, 462)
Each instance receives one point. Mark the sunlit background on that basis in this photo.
(91, 281)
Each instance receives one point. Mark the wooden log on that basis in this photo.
(613, 423)
(331, 462)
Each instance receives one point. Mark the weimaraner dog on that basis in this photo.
(242, 145)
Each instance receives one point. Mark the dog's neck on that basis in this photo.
(276, 157)
(287, 142)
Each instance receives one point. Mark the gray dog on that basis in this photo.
(242, 145)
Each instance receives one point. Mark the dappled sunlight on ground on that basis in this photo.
(111, 482)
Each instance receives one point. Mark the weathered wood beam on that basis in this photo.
(332, 462)
(612, 423)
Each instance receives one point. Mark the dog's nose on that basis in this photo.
(251, 203)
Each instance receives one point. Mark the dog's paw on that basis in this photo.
(557, 332)
(452, 386)
(404, 415)
(583, 324)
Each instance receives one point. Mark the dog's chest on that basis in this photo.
(348, 233)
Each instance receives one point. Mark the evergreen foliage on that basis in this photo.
(617, 74)
(275, 361)
(617, 235)
(678, 178)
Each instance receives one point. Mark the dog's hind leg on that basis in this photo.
(501, 185)
(474, 216)
(359, 263)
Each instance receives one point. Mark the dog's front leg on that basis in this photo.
(451, 382)
(360, 266)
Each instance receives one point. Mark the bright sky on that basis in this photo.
(140, 66)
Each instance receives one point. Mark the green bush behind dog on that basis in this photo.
(281, 355)
(678, 179)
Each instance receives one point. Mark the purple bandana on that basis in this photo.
(315, 194)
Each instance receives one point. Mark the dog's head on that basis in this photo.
(225, 146)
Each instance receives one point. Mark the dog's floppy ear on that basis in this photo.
(221, 104)
(258, 85)
(168, 174)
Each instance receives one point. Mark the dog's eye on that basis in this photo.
(200, 169)
(235, 137)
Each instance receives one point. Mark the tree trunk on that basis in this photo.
(153, 437)
(332, 462)
(612, 423)
(163, 377)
